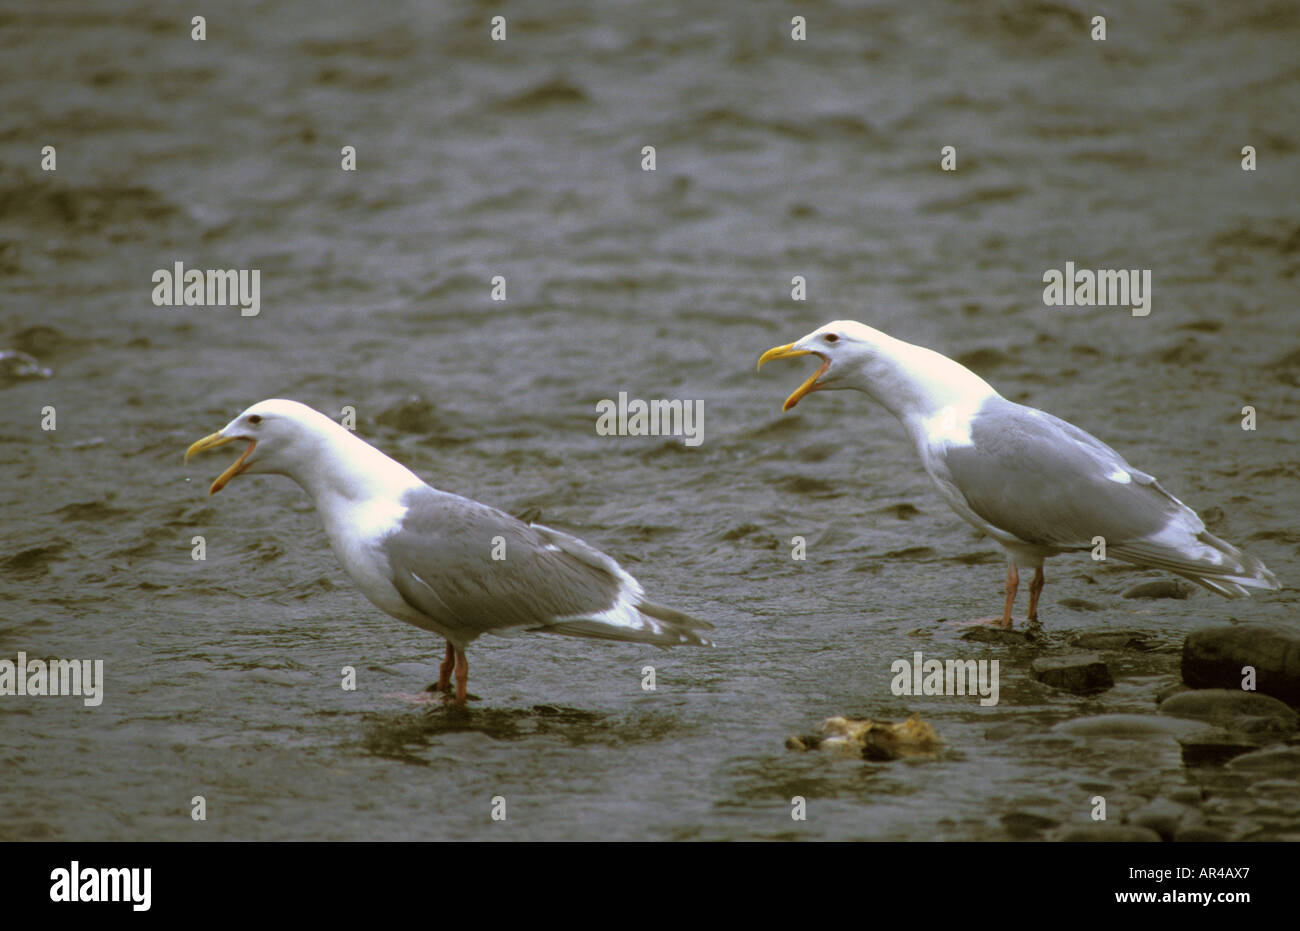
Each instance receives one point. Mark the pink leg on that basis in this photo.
(462, 677)
(1013, 585)
(1035, 589)
(444, 671)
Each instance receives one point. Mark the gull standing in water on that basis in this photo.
(426, 556)
(1034, 483)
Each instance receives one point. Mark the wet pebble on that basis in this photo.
(1164, 817)
(1160, 588)
(1104, 833)
(1199, 834)
(985, 633)
(1113, 640)
(1026, 825)
(1132, 726)
(1275, 761)
(1082, 672)
(1214, 658)
(1249, 712)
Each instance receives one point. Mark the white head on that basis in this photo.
(281, 436)
(907, 379)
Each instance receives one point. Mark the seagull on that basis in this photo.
(1037, 485)
(446, 564)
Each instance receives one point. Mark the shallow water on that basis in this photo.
(775, 159)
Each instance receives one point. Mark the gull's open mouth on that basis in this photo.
(789, 352)
(212, 442)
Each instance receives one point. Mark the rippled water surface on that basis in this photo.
(522, 159)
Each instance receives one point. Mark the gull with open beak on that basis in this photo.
(444, 563)
(1037, 485)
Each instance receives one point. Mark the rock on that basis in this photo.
(1080, 672)
(1198, 834)
(871, 740)
(1187, 795)
(1113, 640)
(1109, 833)
(1163, 695)
(1133, 727)
(1248, 712)
(1079, 604)
(1214, 658)
(987, 633)
(1024, 825)
(1275, 761)
(1162, 816)
(1160, 588)
(1214, 748)
(1273, 788)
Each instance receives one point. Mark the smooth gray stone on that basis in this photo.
(1226, 706)
(1079, 672)
(1215, 656)
(1109, 833)
(1160, 588)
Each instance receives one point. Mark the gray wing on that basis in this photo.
(441, 557)
(1049, 483)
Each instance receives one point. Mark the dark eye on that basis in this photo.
(831, 338)
(255, 419)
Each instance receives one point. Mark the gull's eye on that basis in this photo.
(831, 338)
(255, 419)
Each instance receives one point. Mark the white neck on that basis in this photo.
(345, 468)
(919, 386)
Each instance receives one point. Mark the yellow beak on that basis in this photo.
(212, 442)
(789, 352)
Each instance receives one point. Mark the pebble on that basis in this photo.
(1214, 658)
(1080, 672)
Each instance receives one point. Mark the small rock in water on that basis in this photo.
(1168, 690)
(1250, 712)
(1163, 816)
(1214, 748)
(1079, 604)
(1199, 835)
(1024, 825)
(1105, 833)
(1080, 672)
(1160, 588)
(870, 740)
(1276, 761)
(1113, 640)
(1132, 727)
(1215, 657)
(987, 633)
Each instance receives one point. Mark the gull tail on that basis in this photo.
(638, 622)
(1203, 558)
